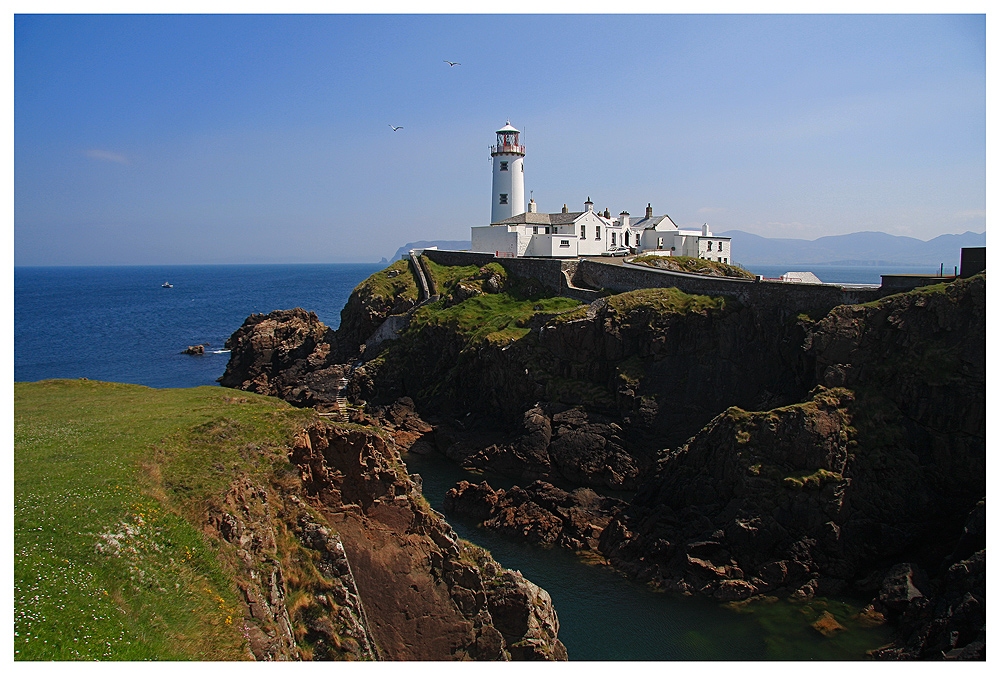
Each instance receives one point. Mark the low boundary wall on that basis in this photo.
(582, 279)
(791, 295)
(548, 271)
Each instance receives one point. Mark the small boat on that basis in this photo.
(167, 284)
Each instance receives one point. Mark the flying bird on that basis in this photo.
(395, 128)
(452, 63)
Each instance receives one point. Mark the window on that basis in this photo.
(613, 238)
(503, 166)
(503, 198)
(709, 246)
(583, 231)
(563, 243)
(637, 238)
(548, 230)
(626, 237)
(534, 230)
(725, 260)
(598, 234)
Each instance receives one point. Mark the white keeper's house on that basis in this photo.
(518, 232)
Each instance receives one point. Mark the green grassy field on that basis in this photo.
(110, 481)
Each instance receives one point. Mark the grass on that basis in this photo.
(108, 479)
(811, 480)
(396, 280)
(683, 263)
(498, 318)
(663, 302)
(447, 276)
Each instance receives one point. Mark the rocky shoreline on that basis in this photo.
(839, 451)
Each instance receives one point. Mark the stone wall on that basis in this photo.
(791, 295)
(548, 271)
(583, 278)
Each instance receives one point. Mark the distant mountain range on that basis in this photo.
(859, 248)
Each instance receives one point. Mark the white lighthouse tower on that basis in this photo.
(508, 174)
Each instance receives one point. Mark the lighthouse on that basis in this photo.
(508, 174)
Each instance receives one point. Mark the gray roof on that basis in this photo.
(528, 218)
(649, 223)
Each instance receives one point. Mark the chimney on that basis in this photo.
(565, 209)
(624, 218)
(607, 214)
(532, 207)
(588, 205)
(649, 210)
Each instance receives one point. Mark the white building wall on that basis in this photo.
(589, 243)
(510, 183)
(657, 240)
(688, 242)
(717, 249)
(493, 239)
(553, 246)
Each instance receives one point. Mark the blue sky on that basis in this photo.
(229, 139)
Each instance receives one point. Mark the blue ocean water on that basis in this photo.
(118, 324)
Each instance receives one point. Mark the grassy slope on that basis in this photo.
(491, 317)
(693, 265)
(108, 479)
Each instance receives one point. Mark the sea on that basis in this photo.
(122, 324)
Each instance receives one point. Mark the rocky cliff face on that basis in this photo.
(874, 490)
(773, 453)
(288, 354)
(349, 562)
(590, 395)
(540, 513)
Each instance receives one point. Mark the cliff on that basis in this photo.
(426, 594)
(540, 387)
(774, 451)
(345, 560)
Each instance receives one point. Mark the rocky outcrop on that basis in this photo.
(943, 618)
(591, 395)
(346, 561)
(287, 354)
(773, 452)
(540, 513)
(246, 520)
(752, 504)
(426, 594)
(863, 490)
(553, 442)
(392, 292)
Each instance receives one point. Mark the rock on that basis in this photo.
(522, 613)
(869, 617)
(733, 589)
(478, 501)
(735, 474)
(288, 354)
(196, 349)
(826, 625)
(540, 513)
(901, 586)
(383, 545)
(810, 449)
